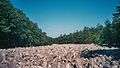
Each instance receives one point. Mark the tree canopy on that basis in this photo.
(107, 34)
(16, 30)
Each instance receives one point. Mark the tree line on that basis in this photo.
(107, 34)
(17, 30)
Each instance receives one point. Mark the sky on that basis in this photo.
(57, 17)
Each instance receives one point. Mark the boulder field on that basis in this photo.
(61, 56)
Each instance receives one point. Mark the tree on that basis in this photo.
(106, 36)
(116, 26)
(16, 29)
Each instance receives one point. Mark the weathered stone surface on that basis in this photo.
(60, 56)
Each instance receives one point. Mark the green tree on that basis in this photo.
(106, 36)
(16, 29)
(116, 26)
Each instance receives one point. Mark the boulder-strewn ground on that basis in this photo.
(61, 56)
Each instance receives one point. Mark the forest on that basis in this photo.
(17, 30)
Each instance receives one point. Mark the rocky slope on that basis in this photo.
(61, 56)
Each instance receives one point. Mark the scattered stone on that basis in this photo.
(60, 56)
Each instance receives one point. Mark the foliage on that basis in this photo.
(16, 29)
(107, 34)
(85, 36)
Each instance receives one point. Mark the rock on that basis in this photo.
(12, 65)
(58, 56)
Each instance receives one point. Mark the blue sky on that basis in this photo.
(57, 17)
